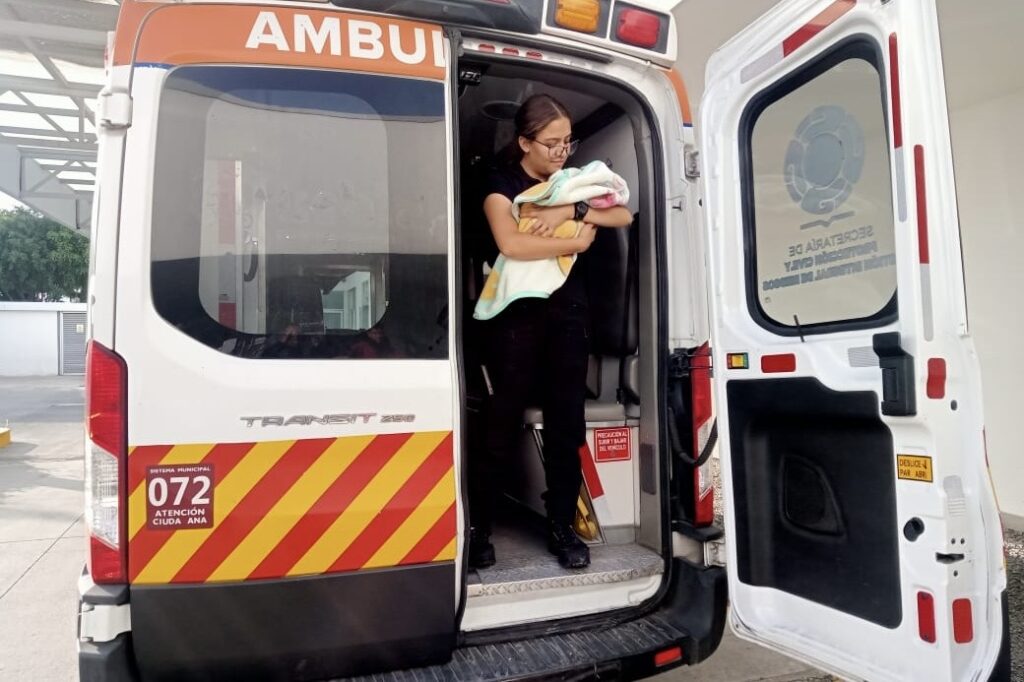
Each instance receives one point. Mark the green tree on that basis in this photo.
(40, 260)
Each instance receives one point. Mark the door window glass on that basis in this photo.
(302, 213)
(819, 198)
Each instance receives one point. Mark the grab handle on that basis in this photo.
(899, 399)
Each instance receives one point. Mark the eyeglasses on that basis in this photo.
(558, 150)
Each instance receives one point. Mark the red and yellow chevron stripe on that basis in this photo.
(301, 507)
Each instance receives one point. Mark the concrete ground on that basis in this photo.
(42, 548)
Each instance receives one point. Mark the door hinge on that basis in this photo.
(103, 622)
(114, 109)
(683, 360)
(691, 162)
(715, 552)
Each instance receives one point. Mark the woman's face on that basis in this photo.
(547, 151)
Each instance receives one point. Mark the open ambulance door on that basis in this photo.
(863, 533)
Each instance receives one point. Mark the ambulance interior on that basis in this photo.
(619, 511)
(279, 287)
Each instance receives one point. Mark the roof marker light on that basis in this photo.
(637, 27)
(578, 15)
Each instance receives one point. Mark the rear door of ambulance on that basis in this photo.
(282, 310)
(864, 536)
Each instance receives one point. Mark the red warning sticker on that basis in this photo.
(179, 496)
(611, 445)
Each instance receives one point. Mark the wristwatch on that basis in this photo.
(580, 210)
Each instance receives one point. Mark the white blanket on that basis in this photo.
(510, 279)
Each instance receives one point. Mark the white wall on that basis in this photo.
(30, 337)
(705, 25)
(988, 153)
(985, 88)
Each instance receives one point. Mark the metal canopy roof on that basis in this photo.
(51, 61)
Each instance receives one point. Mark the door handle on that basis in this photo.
(254, 261)
(899, 398)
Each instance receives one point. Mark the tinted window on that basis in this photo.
(819, 198)
(302, 213)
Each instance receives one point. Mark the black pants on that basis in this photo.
(536, 354)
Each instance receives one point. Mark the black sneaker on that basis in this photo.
(481, 551)
(566, 545)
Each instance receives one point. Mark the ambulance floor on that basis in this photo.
(525, 565)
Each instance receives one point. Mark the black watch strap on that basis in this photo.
(580, 210)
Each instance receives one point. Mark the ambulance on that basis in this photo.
(285, 383)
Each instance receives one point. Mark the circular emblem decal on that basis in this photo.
(824, 160)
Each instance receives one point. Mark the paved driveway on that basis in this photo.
(42, 548)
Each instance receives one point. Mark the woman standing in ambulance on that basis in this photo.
(538, 343)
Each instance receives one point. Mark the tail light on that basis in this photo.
(667, 656)
(639, 28)
(703, 421)
(106, 452)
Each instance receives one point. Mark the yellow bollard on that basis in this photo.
(5, 437)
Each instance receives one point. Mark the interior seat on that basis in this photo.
(295, 317)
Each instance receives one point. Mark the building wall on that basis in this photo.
(30, 337)
(989, 176)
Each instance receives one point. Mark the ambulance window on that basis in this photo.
(302, 213)
(818, 198)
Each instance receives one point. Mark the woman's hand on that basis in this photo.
(586, 237)
(546, 218)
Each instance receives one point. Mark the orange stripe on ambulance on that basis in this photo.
(364, 39)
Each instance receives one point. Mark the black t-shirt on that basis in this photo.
(510, 181)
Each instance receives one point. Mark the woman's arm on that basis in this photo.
(526, 246)
(616, 216)
(551, 217)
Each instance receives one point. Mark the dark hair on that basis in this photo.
(534, 115)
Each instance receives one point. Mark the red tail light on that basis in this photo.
(106, 452)
(668, 656)
(637, 27)
(703, 420)
(105, 562)
(105, 378)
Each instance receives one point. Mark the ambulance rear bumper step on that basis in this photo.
(524, 568)
(691, 616)
(623, 651)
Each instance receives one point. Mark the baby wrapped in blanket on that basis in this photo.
(510, 279)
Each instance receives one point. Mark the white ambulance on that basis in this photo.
(285, 383)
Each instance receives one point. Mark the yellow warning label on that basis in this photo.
(914, 468)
